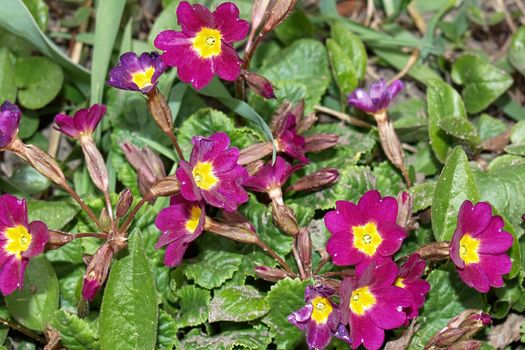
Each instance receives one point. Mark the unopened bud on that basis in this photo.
(254, 167)
(95, 163)
(97, 272)
(306, 123)
(237, 219)
(255, 152)
(304, 245)
(236, 233)
(298, 110)
(459, 330)
(165, 187)
(284, 218)
(124, 203)
(405, 203)
(58, 239)
(160, 110)
(259, 84)
(434, 251)
(278, 117)
(147, 164)
(316, 181)
(320, 142)
(270, 274)
(105, 220)
(278, 13)
(258, 12)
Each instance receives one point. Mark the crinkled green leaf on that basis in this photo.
(517, 50)
(250, 338)
(237, 304)
(442, 102)
(353, 47)
(388, 180)
(483, 82)
(422, 194)
(285, 297)
(75, 333)
(56, 214)
(193, 306)
(455, 185)
(34, 306)
(38, 80)
(212, 267)
(129, 311)
(167, 332)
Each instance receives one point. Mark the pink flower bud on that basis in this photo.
(316, 181)
(95, 163)
(259, 84)
(97, 271)
(270, 274)
(320, 142)
(284, 218)
(124, 203)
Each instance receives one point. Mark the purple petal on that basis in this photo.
(474, 276)
(193, 18)
(228, 23)
(90, 288)
(381, 209)
(9, 120)
(13, 211)
(359, 98)
(317, 336)
(394, 88)
(364, 331)
(195, 70)
(12, 275)
(227, 65)
(39, 237)
(188, 188)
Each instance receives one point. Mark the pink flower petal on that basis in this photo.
(228, 23)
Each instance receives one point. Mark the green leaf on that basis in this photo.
(40, 12)
(455, 185)
(483, 82)
(16, 19)
(448, 297)
(251, 338)
(489, 127)
(285, 297)
(166, 20)
(342, 67)
(29, 126)
(167, 332)
(109, 14)
(56, 214)
(75, 333)
(34, 306)
(422, 194)
(352, 46)
(212, 267)
(517, 50)
(193, 306)
(7, 78)
(388, 181)
(207, 121)
(461, 129)
(129, 311)
(298, 72)
(39, 81)
(296, 26)
(442, 102)
(237, 304)
(27, 178)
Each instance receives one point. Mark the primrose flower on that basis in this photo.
(137, 73)
(289, 141)
(371, 304)
(20, 241)
(180, 223)
(478, 247)
(213, 174)
(409, 278)
(203, 47)
(377, 99)
(364, 232)
(83, 123)
(320, 318)
(9, 120)
(270, 178)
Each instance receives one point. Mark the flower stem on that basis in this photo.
(343, 116)
(83, 205)
(274, 255)
(298, 260)
(23, 330)
(173, 139)
(124, 227)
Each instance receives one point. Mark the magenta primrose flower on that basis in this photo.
(180, 223)
(377, 99)
(364, 232)
(83, 123)
(478, 247)
(371, 304)
(212, 174)
(320, 318)
(289, 142)
(270, 178)
(9, 120)
(137, 73)
(20, 241)
(204, 45)
(409, 278)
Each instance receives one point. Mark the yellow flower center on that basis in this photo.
(400, 282)
(18, 240)
(468, 249)
(322, 309)
(361, 300)
(143, 78)
(204, 176)
(207, 43)
(367, 238)
(193, 221)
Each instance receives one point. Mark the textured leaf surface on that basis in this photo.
(237, 304)
(193, 306)
(56, 214)
(75, 333)
(212, 267)
(237, 339)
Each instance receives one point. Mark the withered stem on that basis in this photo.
(297, 257)
(23, 330)
(83, 205)
(124, 227)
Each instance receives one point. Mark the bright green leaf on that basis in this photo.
(296, 26)
(461, 129)
(212, 267)
(237, 304)
(56, 214)
(251, 338)
(167, 332)
(352, 46)
(342, 67)
(489, 127)
(40, 12)
(75, 333)
(193, 306)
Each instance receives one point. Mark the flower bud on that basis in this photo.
(306, 123)
(254, 167)
(124, 203)
(304, 245)
(165, 187)
(97, 272)
(147, 164)
(316, 181)
(278, 117)
(259, 84)
(259, 12)
(237, 219)
(434, 251)
(284, 218)
(95, 163)
(255, 152)
(160, 111)
(9, 120)
(278, 13)
(58, 239)
(405, 203)
(235, 233)
(270, 274)
(320, 142)
(466, 345)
